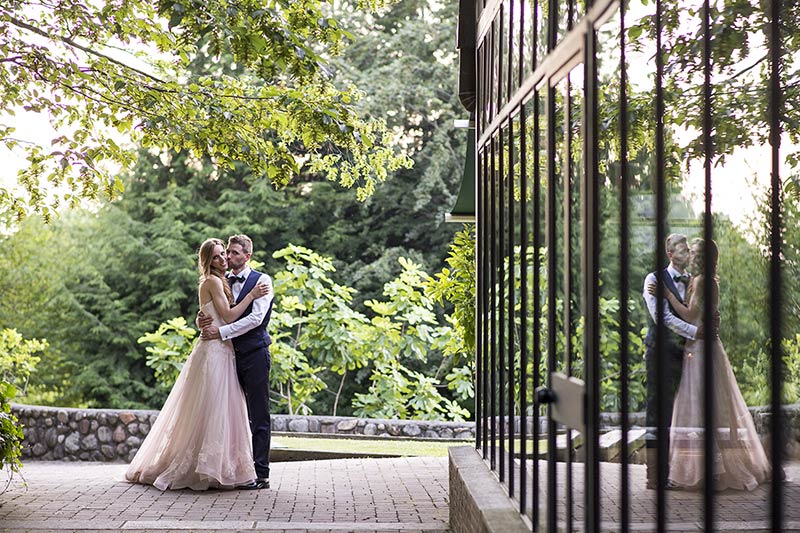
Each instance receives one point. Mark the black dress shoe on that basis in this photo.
(257, 484)
(670, 485)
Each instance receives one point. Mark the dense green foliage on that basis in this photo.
(106, 278)
(18, 360)
(320, 343)
(123, 68)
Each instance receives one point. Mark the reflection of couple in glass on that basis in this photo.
(739, 458)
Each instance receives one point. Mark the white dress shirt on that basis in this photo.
(260, 307)
(673, 322)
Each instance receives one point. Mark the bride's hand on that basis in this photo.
(259, 290)
(651, 289)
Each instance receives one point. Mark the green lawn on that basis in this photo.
(389, 447)
(378, 446)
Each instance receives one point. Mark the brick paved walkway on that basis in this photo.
(385, 495)
(376, 495)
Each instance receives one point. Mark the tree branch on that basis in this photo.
(70, 42)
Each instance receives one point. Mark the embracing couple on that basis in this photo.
(739, 458)
(214, 429)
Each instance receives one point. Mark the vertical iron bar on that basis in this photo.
(537, 301)
(776, 283)
(510, 56)
(511, 301)
(523, 318)
(479, 302)
(493, 372)
(487, 348)
(521, 47)
(552, 272)
(591, 275)
(567, 222)
(660, 352)
(708, 366)
(501, 302)
(624, 283)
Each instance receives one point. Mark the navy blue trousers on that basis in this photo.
(253, 368)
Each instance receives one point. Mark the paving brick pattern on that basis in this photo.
(384, 495)
(360, 495)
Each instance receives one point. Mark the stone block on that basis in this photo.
(84, 425)
(38, 449)
(411, 430)
(62, 417)
(127, 418)
(104, 434)
(278, 423)
(133, 442)
(133, 428)
(89, 442)
(50, 437)
(370, 429)
(346, 426)
(327, 429)
(313, 425)
(72, 443)
(108, 451)
(298, 425)
(446, 433)
(119, 434)
(144, 429)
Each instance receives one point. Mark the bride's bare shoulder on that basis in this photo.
(210, 281)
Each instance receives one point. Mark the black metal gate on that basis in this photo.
(578, 106)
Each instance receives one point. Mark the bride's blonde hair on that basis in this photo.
(206, 267)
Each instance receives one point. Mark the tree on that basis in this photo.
(18, 360)
(120, 68)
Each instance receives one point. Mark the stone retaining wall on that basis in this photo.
(59, 433)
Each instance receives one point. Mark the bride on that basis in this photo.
(201, 437)
(739, 458)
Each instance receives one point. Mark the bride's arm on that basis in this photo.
(695, 307)
(681, 309)
(229, 314)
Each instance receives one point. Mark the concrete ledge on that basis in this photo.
(478, 504)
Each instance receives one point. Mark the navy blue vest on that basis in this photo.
(257, 338)
(674, 342)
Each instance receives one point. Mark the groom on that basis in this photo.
(676, 280)
(251, 345)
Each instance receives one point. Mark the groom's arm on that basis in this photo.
(245, 324)
(671, 321)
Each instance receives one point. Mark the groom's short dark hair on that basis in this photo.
(243, 241)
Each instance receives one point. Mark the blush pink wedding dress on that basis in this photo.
(201, 438)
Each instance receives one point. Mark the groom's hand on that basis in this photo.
(211, 332)
(202, 321)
